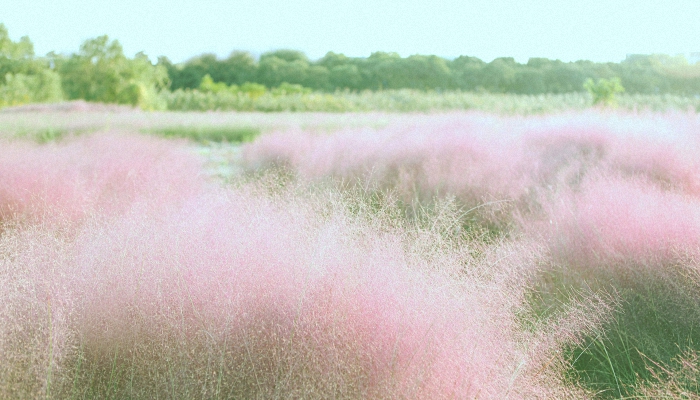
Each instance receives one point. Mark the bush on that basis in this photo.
(604, 91)
(288, 88)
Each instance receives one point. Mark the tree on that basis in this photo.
(25, 78)
(346, 77)
(332, 60)
(286, 55)
(209, 86)
(101, 72)
(22, 50)
(499, 75)
(317, 78)
(467, 72)
(240, 67)
(383, 70)
(272, 71)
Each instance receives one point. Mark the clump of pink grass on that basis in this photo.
(92, 174)
(610, 220)
(270, 302)
(341, 308)
(503, 166)
(418, 159)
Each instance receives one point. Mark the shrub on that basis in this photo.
(210, 134)
(208, 85)
(287, 88)
(604, 91)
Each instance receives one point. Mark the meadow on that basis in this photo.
(407, 100)
(451, 255)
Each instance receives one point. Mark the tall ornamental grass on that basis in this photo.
(173, 287)
(497, 167)
(99, 174)
(641, 242)
(612, 197)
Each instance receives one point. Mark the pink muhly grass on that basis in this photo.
(453, 156)
(489, 161)
(611, 221)
(460, 158)
(36, 311)
(233, 295)
(313, 307)
(564, 152)
(98, 173)
(628, 237)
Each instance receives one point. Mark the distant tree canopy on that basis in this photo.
(642, 74)
(101, 72)
(25, 78)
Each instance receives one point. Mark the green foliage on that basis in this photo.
(23, 77)
(253, 90)
(24, 49)
(250, 90)
(101, 72)
(388, 100)
(210, 133)
(654, 323)
(285, 55)
(209, 86)
(406, 101)
(289, 88)
(44, 87)
(652, 74)
(604, 91)
(273, 70)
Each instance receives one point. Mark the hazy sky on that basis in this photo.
(600, 30)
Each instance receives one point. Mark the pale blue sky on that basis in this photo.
(600, 30)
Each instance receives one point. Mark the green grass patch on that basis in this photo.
(653, 324)
(209, 133)
(45, 135)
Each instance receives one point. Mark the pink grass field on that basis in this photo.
(127, 272)
(482, 159)
(612, 198)
(162, 283)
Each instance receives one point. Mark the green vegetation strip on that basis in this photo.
(209, 133)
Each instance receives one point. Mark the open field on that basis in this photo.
(376, 255)
(416, 101)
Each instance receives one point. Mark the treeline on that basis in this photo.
(640, 74)
(100, 71)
